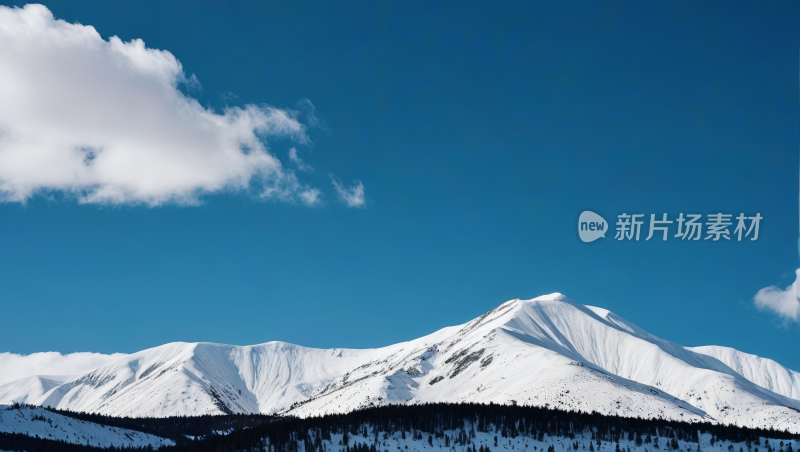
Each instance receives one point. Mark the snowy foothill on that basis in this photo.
(41, 423)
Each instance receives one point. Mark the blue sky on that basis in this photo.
(479, 132)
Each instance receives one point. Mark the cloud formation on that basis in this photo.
(104, 121)
(352, 196)
(14, 367)
(301, 165)
(784, 302)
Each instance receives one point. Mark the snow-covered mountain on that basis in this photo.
(45, 424)
(549, 351)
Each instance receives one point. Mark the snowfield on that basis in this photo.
(549, 351)
(44, 424)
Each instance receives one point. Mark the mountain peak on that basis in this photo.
(555, 296)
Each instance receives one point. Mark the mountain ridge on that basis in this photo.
(547, 351)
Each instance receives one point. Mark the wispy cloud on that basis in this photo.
(298, 162)
(104, 121)
(14, 367)
(783, 302)
(352, 196)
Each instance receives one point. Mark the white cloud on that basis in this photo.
(289, 188)
(301, 165)
(784, 302)
(105, 122)
(352, 196)
(311, 197)
(14, 367)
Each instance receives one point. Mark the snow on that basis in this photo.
(761, 371)
(548, 351)
(31, 389)
(45, 424)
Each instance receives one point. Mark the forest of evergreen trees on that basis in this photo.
(433, 420)
(455, 424)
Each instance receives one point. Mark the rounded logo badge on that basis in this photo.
(591, 226)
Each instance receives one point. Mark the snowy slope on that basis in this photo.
(549, 351)
(47, 425)
(31, 389)
(761, 371)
